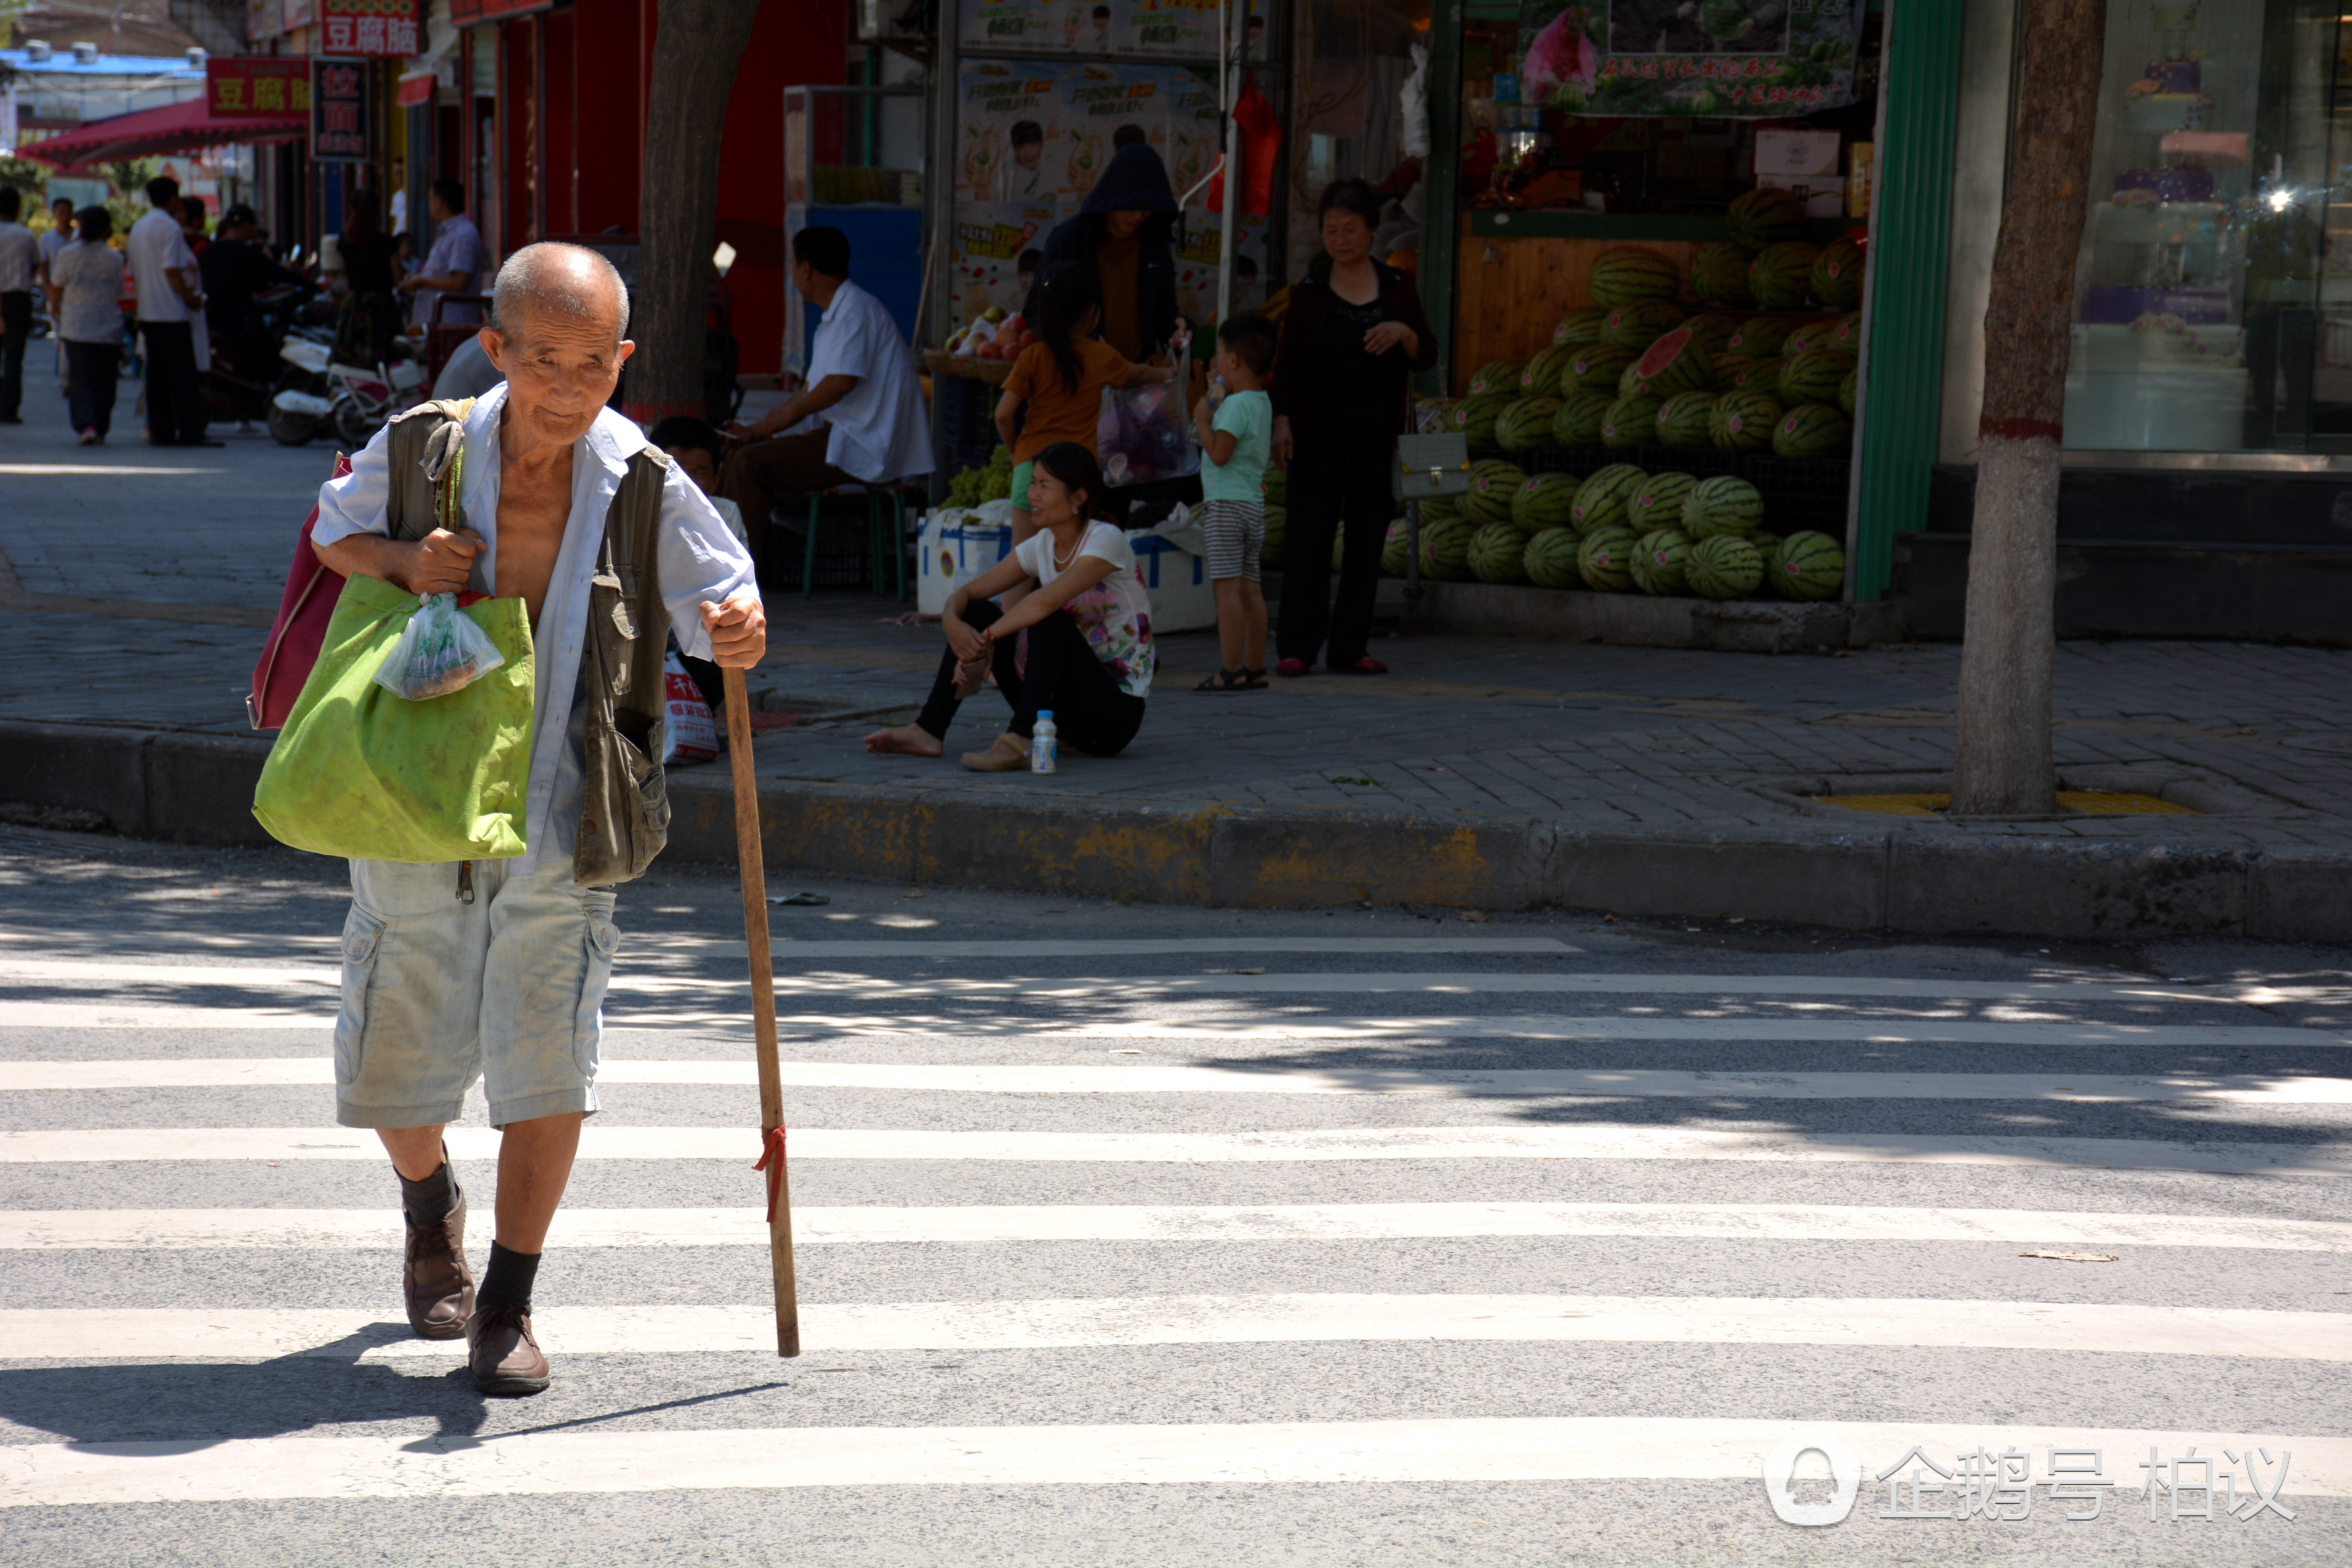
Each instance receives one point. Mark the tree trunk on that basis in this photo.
(695, 50)
(2004, 766)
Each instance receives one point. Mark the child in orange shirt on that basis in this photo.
(1059, 379)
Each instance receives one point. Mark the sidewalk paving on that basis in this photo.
(137, 585)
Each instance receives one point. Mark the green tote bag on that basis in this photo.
(367, 774)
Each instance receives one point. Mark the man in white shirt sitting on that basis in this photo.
(861, 378)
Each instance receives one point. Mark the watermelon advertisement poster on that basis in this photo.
(1031, 138)
(1741, 58)
(1183, 29)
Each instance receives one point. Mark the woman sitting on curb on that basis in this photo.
(1089, 659)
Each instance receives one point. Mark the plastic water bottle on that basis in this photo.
(1041, 744)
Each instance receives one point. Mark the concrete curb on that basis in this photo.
(199, 789)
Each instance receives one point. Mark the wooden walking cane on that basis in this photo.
(748, 851)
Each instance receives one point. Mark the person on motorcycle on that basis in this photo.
(370, 319)
(237, 269)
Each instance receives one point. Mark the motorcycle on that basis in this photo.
(352, 400)
(249, 372)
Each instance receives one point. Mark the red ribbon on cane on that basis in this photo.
(771, 1160)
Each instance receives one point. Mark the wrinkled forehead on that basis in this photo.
(565, 322)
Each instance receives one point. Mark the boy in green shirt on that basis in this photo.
(1236, 433)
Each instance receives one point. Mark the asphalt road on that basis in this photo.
(1165, 1235)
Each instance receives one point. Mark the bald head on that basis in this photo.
(549, 282)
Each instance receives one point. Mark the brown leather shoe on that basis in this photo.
(435, 1280)
(501, 1353)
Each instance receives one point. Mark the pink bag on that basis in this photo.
(303, 612)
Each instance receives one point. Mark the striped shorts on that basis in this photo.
(1236, 532)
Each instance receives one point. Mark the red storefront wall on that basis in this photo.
(573, 90)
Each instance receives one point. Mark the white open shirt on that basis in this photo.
(698, 559)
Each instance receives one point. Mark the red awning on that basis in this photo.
(154, 132)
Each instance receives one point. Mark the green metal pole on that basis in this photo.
(1910, 246)
(1438, 223)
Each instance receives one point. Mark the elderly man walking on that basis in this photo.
(496, 969)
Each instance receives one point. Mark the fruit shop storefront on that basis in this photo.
(1717, 277)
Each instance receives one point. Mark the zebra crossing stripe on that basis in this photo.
(1096, 1323)
(105, 1014)
(592, 1463)
(216, 1229)
(267, 1072)
(191, 976)
(118, 1145)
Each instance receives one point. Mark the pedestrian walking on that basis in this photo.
(1350, 340)
(1078, 595)
(1236, 439)
(60, 233)
(1055, 393)
(163, 271)
(86, 278)
(496, 969)
(20, 266)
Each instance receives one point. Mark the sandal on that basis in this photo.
(1225, 680)
(1009, 754)
(1256, 680)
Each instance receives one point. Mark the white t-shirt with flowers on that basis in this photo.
(1115, 613)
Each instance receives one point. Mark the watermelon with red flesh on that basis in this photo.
(1676, 363)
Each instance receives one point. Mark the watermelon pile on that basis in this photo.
(1761, 338)
(1809, 565)
(1579, 328)
(1632, 421)
(1597, 368)
(1743, 421)
(1475, 417)
(1837, 275)
(1682, 420)
(1497, 552)
(1659, 559)
(1658, 501)
(1604, 559)
(1712, 332)
(1277, 486)
(1722, 504)
(1579, 421)
(1493, 483)
(1627, 273)
(1781, 277)
(1549, 558)
(1501, 376)
(1526, 422)
(1815, 430)
(1737, 372)
(1676, 363)
(1542, 376)
(1602, 498)
(1636, 326)
(1720, 275)
(1543, 501)
(1445, 550)
(1723, 567)
(1847, 390)
(1764, 217)
(1814, 376)
(1393, 548)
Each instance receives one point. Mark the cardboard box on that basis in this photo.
(1796, 153)
(1823, 195)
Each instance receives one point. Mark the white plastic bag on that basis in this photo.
(1144, 432)
(692, 733)
(439, 651)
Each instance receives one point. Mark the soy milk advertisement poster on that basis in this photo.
(1105, 28)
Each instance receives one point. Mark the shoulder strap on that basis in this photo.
(424, 451)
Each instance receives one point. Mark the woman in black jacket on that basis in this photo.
(1351, 340)
(1121, 238)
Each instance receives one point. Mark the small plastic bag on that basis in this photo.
(439, 651)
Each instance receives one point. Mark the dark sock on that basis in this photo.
(431, 1198)
(507, 1281)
